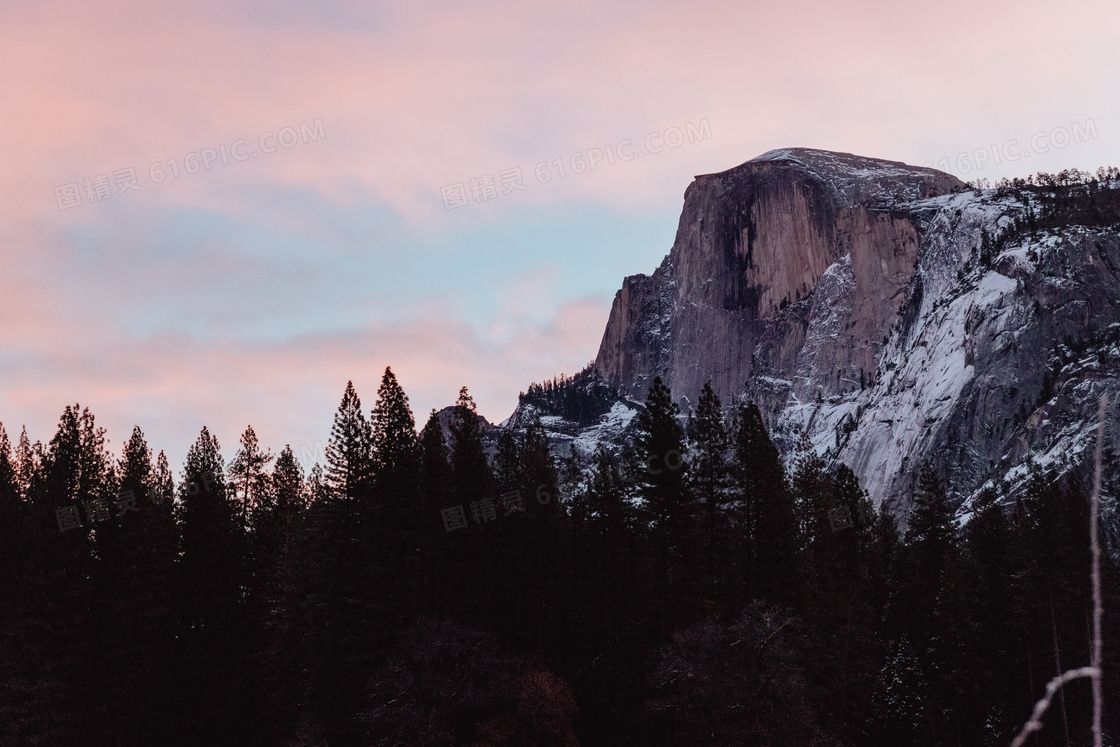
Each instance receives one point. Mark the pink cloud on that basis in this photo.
(421, 96)
(171, 385)
(449, 92)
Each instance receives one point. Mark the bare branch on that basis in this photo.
(1094, 670)
(1040, 707)
(1095, 660)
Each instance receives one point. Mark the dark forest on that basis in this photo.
(685, 589)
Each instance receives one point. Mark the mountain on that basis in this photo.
(891, 312)
(751, 242)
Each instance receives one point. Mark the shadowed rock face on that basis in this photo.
(754, 241)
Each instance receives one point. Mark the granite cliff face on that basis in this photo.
(752, 242)
(845, 295)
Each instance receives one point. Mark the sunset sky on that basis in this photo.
(250, 291)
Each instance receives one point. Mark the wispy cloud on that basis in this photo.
(252, 290)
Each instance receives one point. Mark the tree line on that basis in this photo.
(581, 398)
(685, 589)
(1050, 202)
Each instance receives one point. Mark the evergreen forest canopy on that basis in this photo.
(581, 398)
(413, 590)
(1053, 202)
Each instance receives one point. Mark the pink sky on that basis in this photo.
(412, 99)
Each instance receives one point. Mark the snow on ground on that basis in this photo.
(609, 428)
(923, 369)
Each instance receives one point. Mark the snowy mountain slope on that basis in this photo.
(858, 301)
(611, 428)
(982, 379)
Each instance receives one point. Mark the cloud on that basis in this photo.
(173, 384)
(252, 290)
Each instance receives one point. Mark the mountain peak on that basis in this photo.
(869, 304)
(852, 179)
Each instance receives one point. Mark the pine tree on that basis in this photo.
(317, 492)
(659, 447)
(163, 488)
(349, 458)
(611, 514)
(396, 455)
(508, 469)
(134, 608)
(13, 525)
(470, 556)
(609, 599)
(339, 615)
(301, 629)
(81, 465)
(435, 494)
(885, 542)
(212, 574)
(846, 649)
(468, 461)
(94, 462)
(50, 666)
(1051, 594)
(394, 443)
(578, 493)
(930, 541)
(396, 544)
(435, 471)
(985, 683)
(509, 548)
(11, 517)
(279, 515)
(276, 521)
(247, 475)
(812, 493)
(211, 565)
(766, 513)
(546, 535)
(343, 617)
(25, 462)
(710, 476)
(905, 696)
(277, 525)
(987, 249)
(929, 595)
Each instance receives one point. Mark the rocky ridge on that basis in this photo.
(847, 297)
